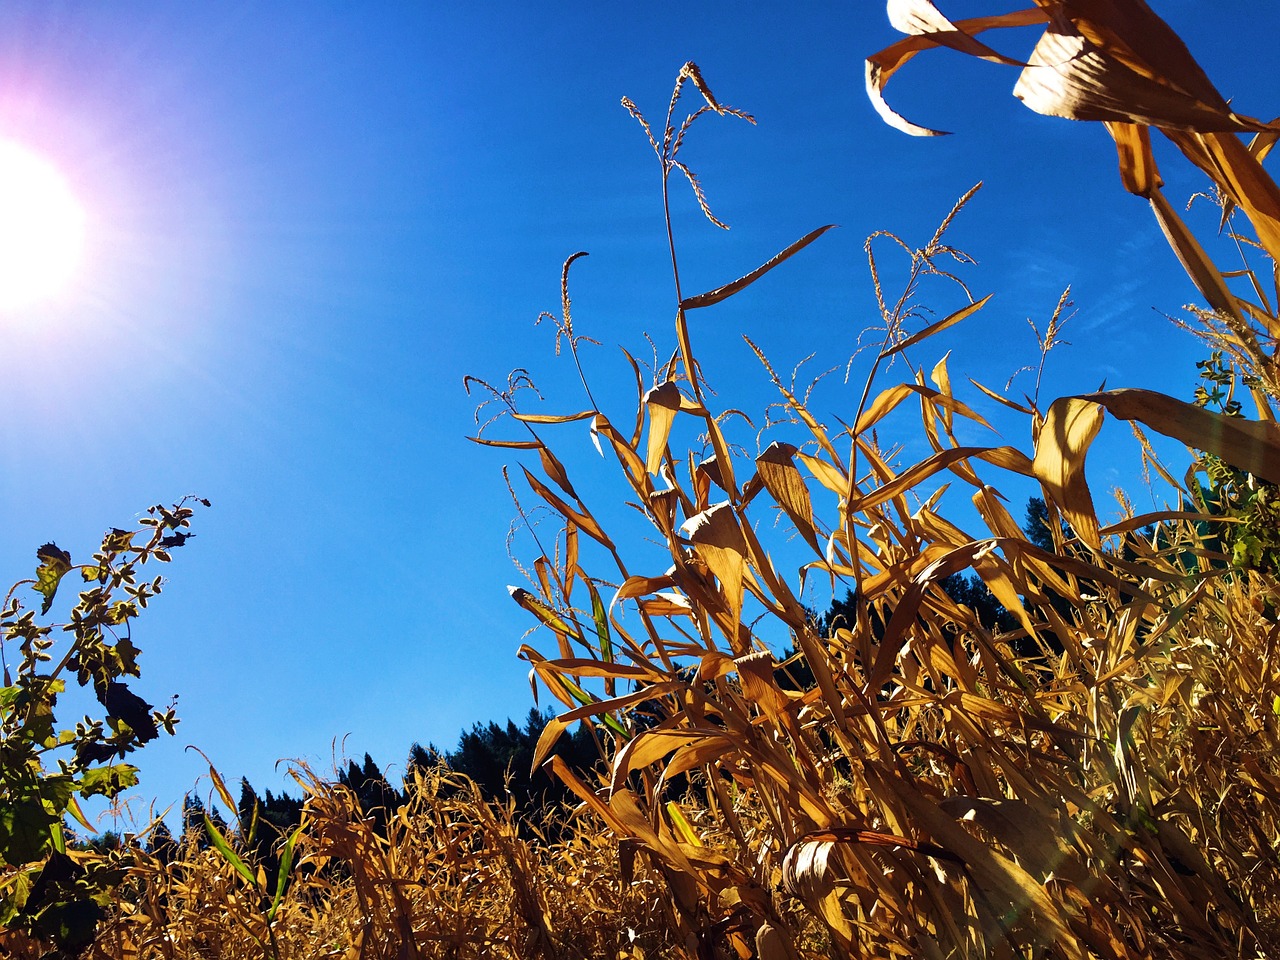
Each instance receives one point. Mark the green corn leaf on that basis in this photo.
(282, 872)
(544, 613)
(220, 844)
(586, 699)
(601, 617)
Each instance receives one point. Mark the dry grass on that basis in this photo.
(449, 877)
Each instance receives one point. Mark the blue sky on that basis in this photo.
(308, 223)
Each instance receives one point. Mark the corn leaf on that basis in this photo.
(1250, 445)
(224, 848)
(1068, 430)
(282, 872)
(883, 65)
(948, 321)
(663, 403)
(729, 289)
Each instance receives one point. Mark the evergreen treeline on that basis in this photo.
(497, 758)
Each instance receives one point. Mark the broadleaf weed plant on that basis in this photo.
(49, 889)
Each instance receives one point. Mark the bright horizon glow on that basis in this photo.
(41, 229)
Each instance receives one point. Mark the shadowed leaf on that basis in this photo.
(778, 472)
(729, 289)
(1252, 446)
(54, 564)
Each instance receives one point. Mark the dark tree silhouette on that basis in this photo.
(161, 844)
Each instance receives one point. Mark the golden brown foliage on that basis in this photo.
(450, 876)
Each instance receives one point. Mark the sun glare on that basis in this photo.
(41, 229)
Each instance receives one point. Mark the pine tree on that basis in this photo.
(161, 843)
(193, 820)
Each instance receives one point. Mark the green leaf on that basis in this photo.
(57, 908)
(35, 706)
(108, 781)
(126, 709)
(71, 925)
(25, 833)
(56, 790)
(544, 613)
(601, 617)
(282, 872)
(15, 896)
(126, 654)
(54, 564)
(220, 844)
(121, 611)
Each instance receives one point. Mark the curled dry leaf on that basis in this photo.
(777, 471)
(1069, 428)
(663, 403)
(1117, 62)
(666, 604)
(1252, 446)
(1071, 76)
(807, 873)
(638, 587)
(960, 36)
(772, 944)
(1112, 60)
(1073, 422)
(718, 541)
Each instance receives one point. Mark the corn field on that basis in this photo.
(1098, 781)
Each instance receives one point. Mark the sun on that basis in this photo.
(41, 229)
